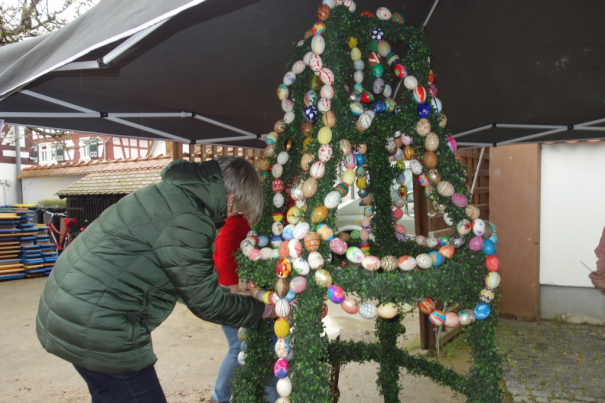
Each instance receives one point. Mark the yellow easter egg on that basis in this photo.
(355, 54)
(352, 42)
(348, 177)
(306, 143)
(361, 183)
(281, 328)
(325, 135)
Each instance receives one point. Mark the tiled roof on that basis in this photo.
(121, 182)
(94, 167)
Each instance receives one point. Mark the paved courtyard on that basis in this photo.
(553, 362)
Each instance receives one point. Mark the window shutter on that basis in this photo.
(35, 154)
(60, 153)
(94, 148)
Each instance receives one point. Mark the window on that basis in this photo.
(84, 148)
(53, 152)
(44, 153)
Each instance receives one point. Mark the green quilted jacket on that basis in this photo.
(121, 277)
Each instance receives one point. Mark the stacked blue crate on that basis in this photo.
(48, 249)
(11, 266)
(31, 255)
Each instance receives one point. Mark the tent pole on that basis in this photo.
(479, 129)
(428, 17)
(476, 174)
(224, 126)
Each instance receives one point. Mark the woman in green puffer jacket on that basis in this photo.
(121, 277)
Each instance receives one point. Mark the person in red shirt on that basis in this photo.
(227, 242)
(598, 277)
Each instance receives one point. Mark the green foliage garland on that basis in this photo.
(459, 280)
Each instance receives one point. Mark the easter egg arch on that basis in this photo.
(353, 118)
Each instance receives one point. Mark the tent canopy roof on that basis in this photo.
(523, 63)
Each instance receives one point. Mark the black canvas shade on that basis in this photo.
(210, 68)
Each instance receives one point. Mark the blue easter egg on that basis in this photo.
(263, 241)
(482, 311)
(288, 233)
(379, 107)
(359, 65)
(276, 240)
(358, 88)
(310, 113)
(356, 108)
(401, 178)
(360, 159)
(437, 258)
(244, 346)
(290, 295)
(362, 193)
(424, 109)
(489, 247)
(377, 35)
(493, 238)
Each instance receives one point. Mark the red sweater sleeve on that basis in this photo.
(233, 232)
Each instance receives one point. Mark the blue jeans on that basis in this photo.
(222, 387)
(134, 387)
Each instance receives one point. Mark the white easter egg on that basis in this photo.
(289, 117)
(307, 57)
(289, 78)
(316, 63)
(410, 82)
(278, 201)
(301, 229)
(371, 263)
(326, 76)
(318, 169)
(324, 105)
(283, 157)
(284, 387)
(318, 44)
(327, 91)
(316, 261)
(325, 152)
(298, 67)
(277, 228)
(416, 167)
(332, 199)
(301, 266)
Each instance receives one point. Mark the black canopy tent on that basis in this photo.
(207, 71)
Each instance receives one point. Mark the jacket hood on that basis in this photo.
(204, 181)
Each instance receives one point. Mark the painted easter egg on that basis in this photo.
(283, 268)
(329, 119)
(473, 212)
(294, 248)
(282, 308)
(318, 44)
(445, 188)
(315, 82)
(336, 294)
(310, 99)
(374, 58)
(327, 91)
(241, 358)
(410, 82)
(436, 105)
(306, 128)
(317, 169)
(492, 280)
(277, 170)
(476, 244)
(407, 263)
(383, 13)
(387, 310)
(301, 266)
(348, 177)
(447, 251)
(466, 317)
(384, 48)
(430, 159)
(282, 347)
(426, 306)
(345, 146)
(437, 318)
(306, 160)
(281, 367)
(424, 109)
(325, 232)
(289, 78)
(282, 92)
(354, 254)
(478, 226)
(242, 333)
(492, 263)
(312, 241)
(298, 67)
(377, 35)
(482, 311)
(388, 263)
(419, 94)
(277, 228)
(416, 167)
(326, 76)
(338, 246)
(355, 54)
(424, 261)
(281, 327)
(298, 284)
(451, 319)
(371, 263)
(309, 187)
(342, 188)
(397, 17)
(378, 70)
(316, 260)
(301, 230)
(463, 227)
(368, 310)
(310, 113)
(332, 199)
(400, 70)
(436, 257)
(323, 278)
(324, 136)
(486, 295)
(409, 153)
(459, 200)
(358, 76)
(319, 214)
(349, 305)
(294, 215)
(393, 59)
(489, 247)
(319, 28)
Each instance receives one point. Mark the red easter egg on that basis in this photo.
(323, 12)
(493, 263)
(426, 306)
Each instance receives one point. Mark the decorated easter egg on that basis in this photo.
(281, 366)
(377, 35)
(354, 254)
(310, 113)
(400, 71)
(288, 118)
(476, 244)
(431, 142)
(263, 241)
(305, 161)
(371, 263)
(410, 82)
(423, 127)
(338, 246)
(492, 280)
(336, 294)
(374, 58)
(241, 358)
(463, 227)
(318, 44)
(314, 82)
(430, 160)
(282, 347)
(489, 247)
(424, 261)
(416, 167)
(355, 54)
(393, 59)
(387, 310)
(424, 109)
(378, 70)
(319, 28)
(342, 188)
(328, 118)
(294, 248)
(486, 295)
(423, 180)
(319, 214)
(281, 327)
(492, 263)
(426, 306)
(459, 200)
(281, 287)
(437, 318)
(383, 13)
(317, 169)
(242, 333)
(472, 211)
(397, 17)
(359, 65)
(265, 253)
(482, 311)
(278, 215)
(283, 268)
(289, 78)
(271, 138)
(310, 99)
(324, 136)
(348, 177)
(345, 146)
(282, 92)
(419, 94)
(368, 310)
(269, 151)
(298, 67)
(466, 317)
(457, 241)
(282, 308)
(323, 278)
(332, 199)
(384, 48)
(301, 266)
(451, 142)
(407, 263)
(301, 230)
(294, 215)
(277, 170)
(445, 188)
(311, 241)
(349, 305)
(358, 76)
(436, 105)
(327, 91)
(326, 76)
(436, 257)
(309, 187)
(306, 128)
(325, 232)
(277, 228)
(298, 284)
(409, 153)
(316, 260)
(447, 251)
(388, 263)
(451, 319)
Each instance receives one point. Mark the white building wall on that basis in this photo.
(572, 212)
(36, 189)
(8, 194)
